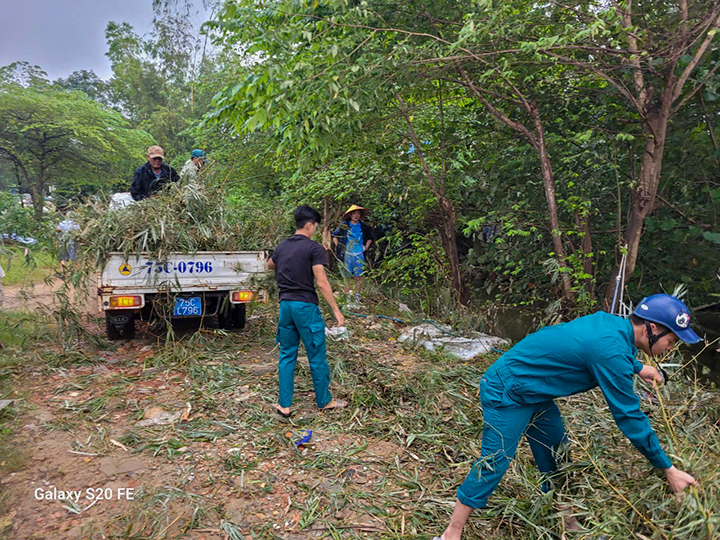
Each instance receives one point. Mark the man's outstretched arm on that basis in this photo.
(625, 407)
(326, 291)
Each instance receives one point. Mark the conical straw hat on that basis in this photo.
(363, 211)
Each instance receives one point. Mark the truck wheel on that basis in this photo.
(113, 333)
(226, 318)
(239, 315)
(129, 329)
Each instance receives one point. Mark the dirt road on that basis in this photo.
(40, 294)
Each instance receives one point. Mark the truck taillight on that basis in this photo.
(240, 297)
(125, 301)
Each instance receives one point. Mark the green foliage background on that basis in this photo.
(316, 107)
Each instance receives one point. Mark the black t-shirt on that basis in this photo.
(294, 259)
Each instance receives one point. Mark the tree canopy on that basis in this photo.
(591, 90)
(64, 139)
(511, 151)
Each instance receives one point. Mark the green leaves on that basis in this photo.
(323, 81)
(712, 237)
(64, 139)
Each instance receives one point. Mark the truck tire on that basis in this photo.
(226, 317)
(129, 329)
(113, 334)
(233, 317)
(239, 316)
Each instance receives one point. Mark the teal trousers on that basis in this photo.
(302, 320)
(504, 424)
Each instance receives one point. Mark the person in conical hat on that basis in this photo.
(352, 239)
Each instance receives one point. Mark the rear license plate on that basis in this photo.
(188, 306)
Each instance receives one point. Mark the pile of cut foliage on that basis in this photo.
(182, 218)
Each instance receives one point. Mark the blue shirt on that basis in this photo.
(355, 239)
(566, 359)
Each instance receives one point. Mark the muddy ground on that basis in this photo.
(75, 420)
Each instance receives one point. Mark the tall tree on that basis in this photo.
(45, 133)
(158, 80)
(657, 56)
(88, 82)
(320, 68)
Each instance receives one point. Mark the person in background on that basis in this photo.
(67, 246)
(352, 239)
(518, 393)
(299, 262)
(152, 176)
(193, 165)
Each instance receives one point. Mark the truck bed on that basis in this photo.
(200, 271)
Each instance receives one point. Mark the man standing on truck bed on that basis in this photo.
(193, 165)
(152, 176)
(296, 261)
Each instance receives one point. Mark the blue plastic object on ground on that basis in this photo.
(305, 436)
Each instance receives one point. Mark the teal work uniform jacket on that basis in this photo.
(566, 359)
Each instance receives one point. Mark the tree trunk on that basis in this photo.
(447, 210)
(549, 186)
(449, 242)
(537, 140)
(709, 125)
(37, 194)
(643, 197)
(327, 226)
(583, 227)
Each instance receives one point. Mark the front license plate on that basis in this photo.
(188, 306)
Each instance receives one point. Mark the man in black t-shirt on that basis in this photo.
(296, 262)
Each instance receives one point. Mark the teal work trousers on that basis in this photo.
(504, 424)
(302, 320)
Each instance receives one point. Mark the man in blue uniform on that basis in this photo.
(518, 391)
(299, 262)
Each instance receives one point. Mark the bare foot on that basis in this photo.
(449, 534)
(335, 404)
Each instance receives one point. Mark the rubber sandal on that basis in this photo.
(339, 404)
(288, 415)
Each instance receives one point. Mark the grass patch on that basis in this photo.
(23, 270)
(20, 328)
(12, 458)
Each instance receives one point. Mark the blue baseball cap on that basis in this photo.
(197, 153)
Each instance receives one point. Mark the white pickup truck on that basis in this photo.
(200, 285)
